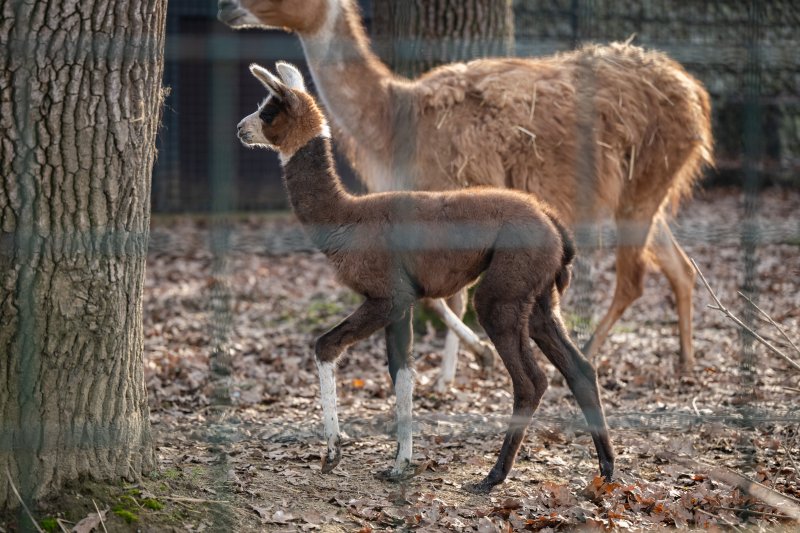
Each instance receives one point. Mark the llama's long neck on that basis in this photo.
(315, 190)
(351, 80)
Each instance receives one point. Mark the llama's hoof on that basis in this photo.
(442, 386)
(486, 358)
(686, 374)
(332, 458)
(607, 470)
(394, 475)
(484, 486)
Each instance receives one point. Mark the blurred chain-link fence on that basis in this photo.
(744, 52)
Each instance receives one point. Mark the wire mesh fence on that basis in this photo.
(729, 46)
(743, 52)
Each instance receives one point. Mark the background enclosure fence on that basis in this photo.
(744, 52)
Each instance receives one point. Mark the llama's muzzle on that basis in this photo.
(230, 12)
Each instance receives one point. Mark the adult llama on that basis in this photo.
(604, 131)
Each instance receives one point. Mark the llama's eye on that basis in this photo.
(268, 115)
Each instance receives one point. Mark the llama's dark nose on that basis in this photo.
(227, 10)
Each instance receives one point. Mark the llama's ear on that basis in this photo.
(290, 76)
(273, 84)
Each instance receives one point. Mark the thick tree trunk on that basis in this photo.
(80, 102)
(414, 36)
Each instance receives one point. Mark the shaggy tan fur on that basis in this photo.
(601, 131)
(394, 248)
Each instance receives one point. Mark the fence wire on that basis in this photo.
(744, 52)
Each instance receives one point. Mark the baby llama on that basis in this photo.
(397, 247)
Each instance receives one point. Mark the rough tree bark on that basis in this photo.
(80, 102)
(414, 36)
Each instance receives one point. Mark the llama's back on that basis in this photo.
(591, 128)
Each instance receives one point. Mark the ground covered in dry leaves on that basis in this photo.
(255, 465)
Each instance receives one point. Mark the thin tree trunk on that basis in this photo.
(417, 35)
(80, 102)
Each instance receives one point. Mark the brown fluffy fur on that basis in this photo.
(394, 248)
(602, 131)
(292, 133)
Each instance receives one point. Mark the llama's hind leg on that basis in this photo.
(681, 276)
(551, 337)
(458, 304)
(371, 316)
(399, 339)
(632, 232)
(506, 323)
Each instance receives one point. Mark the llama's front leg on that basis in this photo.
(485, 351)
(458, 304)
(399, 339)
(330, 416)
(366, 320)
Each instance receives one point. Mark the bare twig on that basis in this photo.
(193, 500)
(792, 389)
(16, 493)
(758, 513)
(717, 517)
(100, 516)
(724, 310)
(61, 522)
(783, 502)
(532, 135)
(791, 459)
(633, 161)
(440, 123)
(694, 406)
(769, 319)
(770, 496)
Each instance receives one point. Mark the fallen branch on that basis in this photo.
(193, 500)
(727, 313)
(28, 511)
(769, 319)
(782, 502)
(719, 518)
(100, 516)
(756, 513)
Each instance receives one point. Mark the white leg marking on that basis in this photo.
(404, 391)
(330, 418)
(455, 325)
(484, 350)
(449, 362)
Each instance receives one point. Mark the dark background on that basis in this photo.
(747, 58)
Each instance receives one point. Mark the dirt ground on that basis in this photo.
(255, 465)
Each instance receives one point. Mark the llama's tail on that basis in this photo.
(564, 275)
(702, 154)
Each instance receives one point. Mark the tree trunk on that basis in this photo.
(415, 36)
(80, 102)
